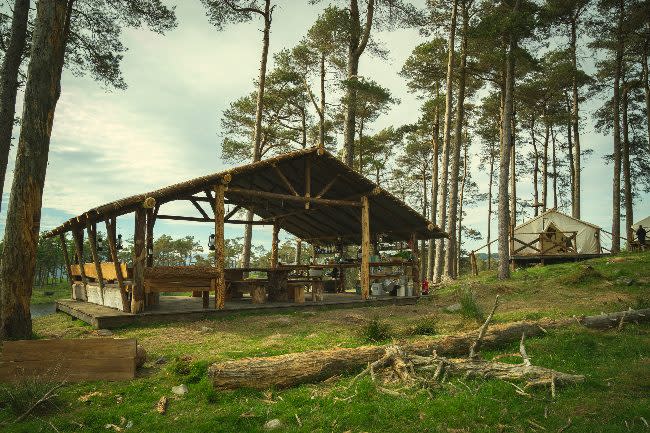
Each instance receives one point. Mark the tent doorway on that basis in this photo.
(554, 241)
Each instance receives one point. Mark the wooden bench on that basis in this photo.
(110, 295)
(201, 279)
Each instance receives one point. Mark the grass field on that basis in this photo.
(614, 398)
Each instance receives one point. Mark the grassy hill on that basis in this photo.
(614, 398)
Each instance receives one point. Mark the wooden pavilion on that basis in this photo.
(308, 193)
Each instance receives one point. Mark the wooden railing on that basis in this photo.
(544, 245)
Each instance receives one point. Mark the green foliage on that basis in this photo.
(20, 397)
(584, 275)
(426, 326)
(188, 371)
(642, 303)
(469, 306)
(376, 331)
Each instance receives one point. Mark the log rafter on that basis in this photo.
(284, 180)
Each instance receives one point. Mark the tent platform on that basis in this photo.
(185, 308)
(552, 258)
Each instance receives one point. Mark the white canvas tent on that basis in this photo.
(645, 222)
(527, 239)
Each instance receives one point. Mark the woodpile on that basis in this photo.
(308, 367)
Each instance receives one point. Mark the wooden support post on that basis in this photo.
(111, 235)
(139, 261)
(274, 245)
(307, 182)
(91, 229)
(417, 287)
(151, 298)
(78, 237)
(317, 290)
(219, 246)
(66, 257)
(298, 251)
(365, 247)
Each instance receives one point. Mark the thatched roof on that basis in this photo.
(389, 217)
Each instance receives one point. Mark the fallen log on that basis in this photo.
(308, 367)
(471, 367)
(613, 320)
(284, 371)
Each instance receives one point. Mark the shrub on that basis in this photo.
(584, 275)
(469, 306)
(426, 326)
(376, 331)
(190, 372)
(20, 397)
(642, 303)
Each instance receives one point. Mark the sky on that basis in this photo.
(164, 128)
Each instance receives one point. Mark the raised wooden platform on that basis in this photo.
(184, 308)
(553, 258)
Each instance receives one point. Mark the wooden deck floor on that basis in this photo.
(183, 308)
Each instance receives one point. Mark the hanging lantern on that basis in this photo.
(211, 242)
(118, 244)
(99, 242)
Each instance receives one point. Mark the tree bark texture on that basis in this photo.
(356, 46)
(450, 253)
(434, 186)
(24, 212)
(446, 147)
(616, 178)
(139, 261)
(575, 123)
(13, 57)
(257, 132)
(489, 219)
(504, 168)
(627, 181)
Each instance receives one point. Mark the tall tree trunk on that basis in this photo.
(616, 179)
(646, 84)
(513, 160)
(361, 147)
(434, 184)
(575, 122)
(298, 257)
(24, 214)
(547, 129)
(570, 156)
(554, 160)
(356, 46)
(627, 181)
(504, 164)
(257, 133)
(535, 166)
(425, 208)
(460, 207)
(442, 188)
(9, 83)
(489, 219)
(450, 254)
(321, 112)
